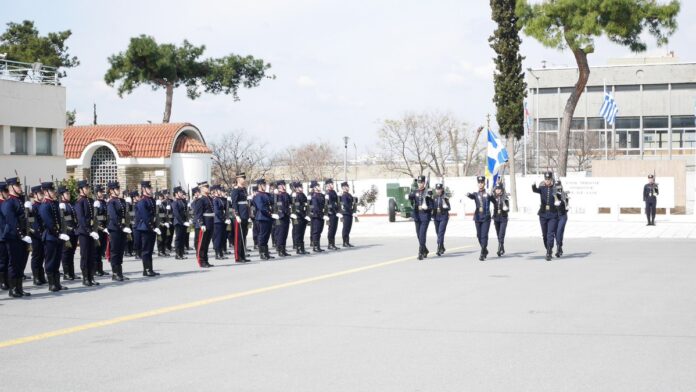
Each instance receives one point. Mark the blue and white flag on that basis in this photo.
(609, 109)
(497, 156)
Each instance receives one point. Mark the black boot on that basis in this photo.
(5, 281)
(85, 278)
(262, 253)
(114, 274)
(100, 269)
(559, 251)
(302, 249)
(120, 273)
(285, 252)
(426, 251)
(420, 253)
(91, 278)
(39, 277)
(268, 254)
(548, 254)
(317, 247)
(348, 242)
(14, 293)
(500, 249)
(438, 253)
(20, 287)
(482, 256)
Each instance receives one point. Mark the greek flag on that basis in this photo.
(609, 109)
(527, 117)
(497, 156)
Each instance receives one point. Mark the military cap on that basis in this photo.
(548, 175)
(260, 181)
(36, 189)
(215, 187)
(62, 189)
(177, 189)
(100, 188)
(165, 191)
(328, 181)
(47, 186)
(3, 186)
(254, 188)
(558, 183)
(203, 184)
(134, 194)
(83, 184)
(438, 186)
(313, 184)
(500, 186)
(145, 184)
(480, 179)
(195, 189)
(344, 183)
(12, 181)
(280, 182)
(113, 185)
(241, 175)
(420, 179)
(158, 194)
(651, 176)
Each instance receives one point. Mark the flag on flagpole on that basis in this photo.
(527, 117)
(497, 156)
(609, 109)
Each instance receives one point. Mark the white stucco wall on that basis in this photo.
(188, 169)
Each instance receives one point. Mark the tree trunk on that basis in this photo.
(513, 180)
(564, 133)
(470, 154)
(168, 103)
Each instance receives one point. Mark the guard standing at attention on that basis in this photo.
(54, 235)
(349, 205)
(70, 222)
(4, 260)
(239, 202)
(204, 218)
(85, 210)
(501, 207)
(262, 205)
(145, 211)
(422, 202)
(317, 214)
(116, 210)
(252, 217)
(14, 233)
(482, 215)
(282, 217)
(650, 192)
(548, 213)
(37, 243)
(441, 208)
(220, 221)
(181, 223)
(298, 214)
(100, 216)
(332, 208)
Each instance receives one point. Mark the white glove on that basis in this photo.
(203, 228)
(127, 230)
(424, 208)
(158, 202)
(26, 239)
(61, 206)
(326, 197)
(505, 208)
(158, 231)
(338, 214)
(129, 200)
(187, 224)
(94, 235)
(169, 207)
(275, 191)
(406, 197)
(229, 198)
(326, 217)
(308, 219)
(97, 204)
(189, 204)
(275, 216)
(105, 230)
(239, 220)
(557, 203)
(227, 221)
(64, 237)
(293, 216)
(293, 194)
(27, 204)
(249, 198)
(166, 225)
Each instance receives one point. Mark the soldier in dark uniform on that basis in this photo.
(262, 203)
(85, 210)
(348, 208)
(129, 210)
(54, 235)
(204, 218)
(252, 218)
(145, 211)
(482, 215)
(273, 194)
(220, 222)
(332, 208)
(70, 220)
(239, 203)
(100, 216)
(181, 222)
(164, 225)
(116, 210)
(4, 256)
(317, 211)
(650, 192)
(282, 217)
(37, 242)
(501, 207)
(169, 200)
(135, 198)
(16, 237)
(298, 214)
(441, 209)
(196, 192)
(562, 201)
(548, 213)
(422, 202)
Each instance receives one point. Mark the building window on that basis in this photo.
(683, 139)
(628, 122)
(43, 141)
(567, 90)
(597, 89)
(655, 122)
(683, 121)
(552, 90)
(655, 87)
(548, 124)
(684, 86)
(630, 87)
(103, 168)
(655, 139)
(595, 123)
(18, 140)
(577, 124)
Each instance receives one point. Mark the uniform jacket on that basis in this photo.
(650, 191)
(84, 209)
(332, 202)
(501, 206)
(317, 204)
(179, 212)
(262, 204)
(14, 225)
(116, 210)
(441, 208)
(547, 195)
(347, 203)
(418, 199)
(240, 203)
(145, 214)
(483, 205)
(50, 218)
(203, 212)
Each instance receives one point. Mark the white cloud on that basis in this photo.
(305, 81)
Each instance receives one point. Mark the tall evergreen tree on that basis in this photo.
(510, 88)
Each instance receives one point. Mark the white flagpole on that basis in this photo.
(526, 129)
(606, 141)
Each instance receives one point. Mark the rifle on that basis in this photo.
(275, 206)
(127, 216)
(157, 214)
(187, 211)
(95, 219)
(27, 216)
(64, 226)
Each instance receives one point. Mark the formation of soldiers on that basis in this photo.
(107, 224)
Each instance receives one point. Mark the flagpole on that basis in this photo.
(526, 127)
(606, 130)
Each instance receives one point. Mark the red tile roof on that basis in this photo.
(133, 140)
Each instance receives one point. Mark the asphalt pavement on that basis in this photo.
(611, 315)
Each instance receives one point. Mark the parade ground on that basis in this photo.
(611, 315)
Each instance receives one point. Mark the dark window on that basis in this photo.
(553, 90)
(683, 121)
(567, 90)
(684, 86)
(629, 87)
(655, 122)
(597, 89)
(628, 122)
(654, 87)
(43, 141)
(548, 124)
(18, 140)
(595, 123)
(628, 139)
(577, 124)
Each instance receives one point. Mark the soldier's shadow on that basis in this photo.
(516, 254)
(453, 254)
(577, 255)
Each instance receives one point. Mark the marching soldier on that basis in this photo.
(348, 208)
(501, 207)
(37, 243)
(252, 217)
(299, 218)
(85, 210)
(548, 213)
(100, 216)
(70, 221)
(422, 202)
(650, 192)
(441, 208)
(4, 256)
(16, 237)
(181, 222)
(332, 209)
(262, 204)
(220, 222)
(317, 209)
(239, 203)
(204, 221)
(116, 225)
(145, 211)
(282, 217)
(482, 215)
(54, 235)
(562, 201)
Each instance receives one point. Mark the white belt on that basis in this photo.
(209, 214)
(242, 203)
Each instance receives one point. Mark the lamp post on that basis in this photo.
(345, 158)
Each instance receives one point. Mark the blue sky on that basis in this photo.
(341, 66)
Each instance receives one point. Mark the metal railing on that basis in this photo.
(28, 72)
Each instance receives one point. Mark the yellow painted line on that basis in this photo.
(195, 304)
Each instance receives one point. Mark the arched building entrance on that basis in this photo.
(103, 167)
